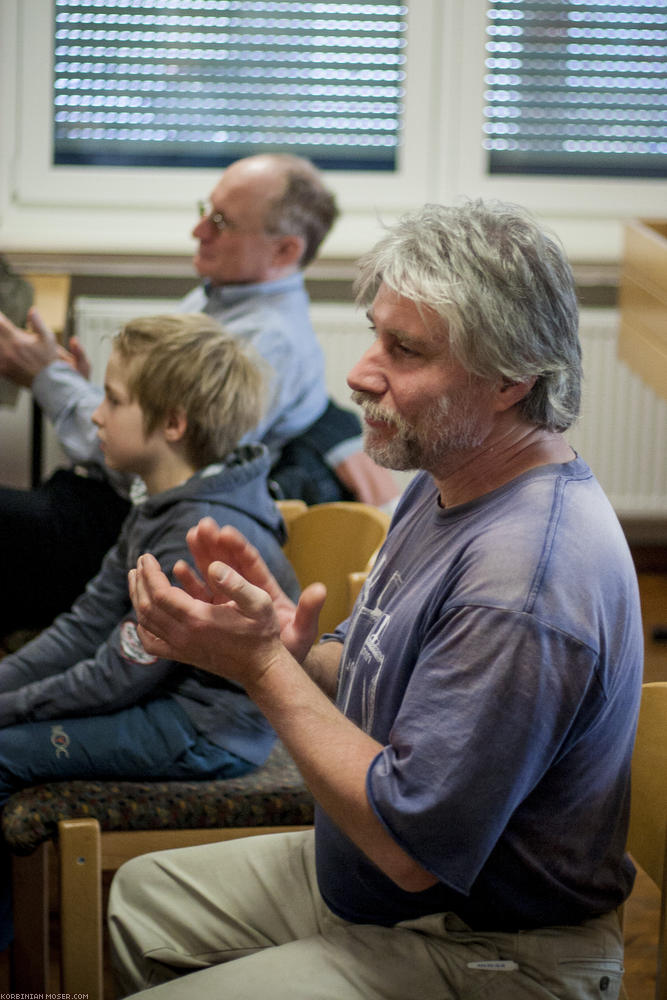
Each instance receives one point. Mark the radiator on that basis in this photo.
(622, 432)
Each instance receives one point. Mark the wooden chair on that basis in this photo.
(51, 298)
(647, 839)
(291, 509)
(330, 542)
(92, 827)
(51, 294)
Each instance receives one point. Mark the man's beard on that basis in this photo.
(445, 428)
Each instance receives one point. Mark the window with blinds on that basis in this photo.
(576, 87)
(181, 83)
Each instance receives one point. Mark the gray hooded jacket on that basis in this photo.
(90, 661)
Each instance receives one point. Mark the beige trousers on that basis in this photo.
(244, 920)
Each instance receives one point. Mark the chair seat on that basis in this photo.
(273, 795)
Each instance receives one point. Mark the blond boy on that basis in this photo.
(84, 699)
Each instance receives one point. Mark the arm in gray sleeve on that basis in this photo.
(90, 661)
(119, 674)
(74, 635)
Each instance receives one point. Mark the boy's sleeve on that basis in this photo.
(119, 674)
(74, 635)
(90, 661)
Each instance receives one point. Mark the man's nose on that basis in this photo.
(200, 231)
(367, 374)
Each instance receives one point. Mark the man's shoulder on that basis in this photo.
(527, 538)
(287, 291)
(267, 312)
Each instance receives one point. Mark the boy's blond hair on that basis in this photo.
(188, 362)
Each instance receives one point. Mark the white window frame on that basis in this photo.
(602, 200)
(151, 210)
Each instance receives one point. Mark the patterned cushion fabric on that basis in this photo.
(273, 795)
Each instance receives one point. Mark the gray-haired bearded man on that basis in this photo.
(467, 732)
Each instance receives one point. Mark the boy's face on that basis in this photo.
(120, 426)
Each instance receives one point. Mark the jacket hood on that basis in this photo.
(239, 482)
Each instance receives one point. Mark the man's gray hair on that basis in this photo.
(305, 208)
(504, 289)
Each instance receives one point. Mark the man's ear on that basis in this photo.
(289, 250)
(511, 393)
(175, 424)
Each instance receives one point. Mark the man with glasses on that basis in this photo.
(265, 222)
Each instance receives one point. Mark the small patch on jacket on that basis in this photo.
(60, 740)
(130, 645)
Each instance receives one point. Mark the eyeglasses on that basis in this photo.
(216, 219)
(221, 223)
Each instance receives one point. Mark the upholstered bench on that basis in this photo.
(94, 826)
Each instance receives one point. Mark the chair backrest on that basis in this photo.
(51, 298)
(291, 509)
(328, 542)
(647, 837)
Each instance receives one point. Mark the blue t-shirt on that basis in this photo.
(496, 653)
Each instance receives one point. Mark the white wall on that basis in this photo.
(99, 210)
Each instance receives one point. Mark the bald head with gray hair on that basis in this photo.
(306, 207)
(504, 290)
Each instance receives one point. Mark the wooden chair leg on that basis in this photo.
(30, 948)
(81, 907)
(661, 970)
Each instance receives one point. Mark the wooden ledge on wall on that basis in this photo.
(643, 302)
